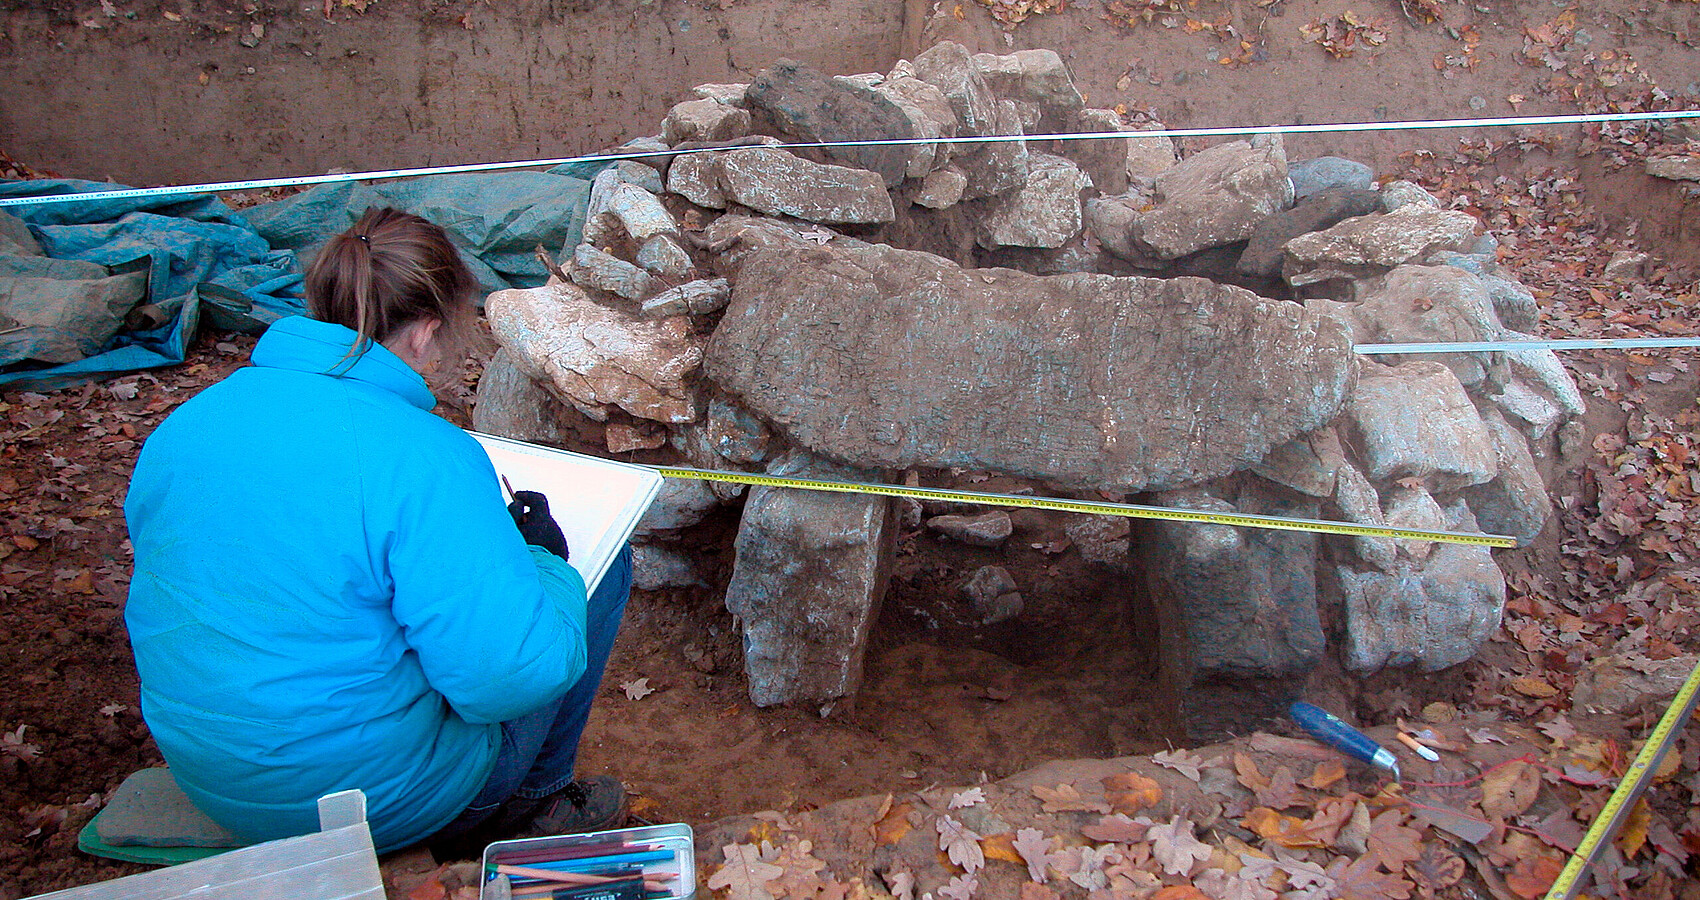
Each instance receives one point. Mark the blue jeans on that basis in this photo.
(539, 749)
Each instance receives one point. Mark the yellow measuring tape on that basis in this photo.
(1128, 510)
(1622, 799)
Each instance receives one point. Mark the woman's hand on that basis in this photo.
(531, 513)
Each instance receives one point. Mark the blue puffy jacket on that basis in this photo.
(329, 594)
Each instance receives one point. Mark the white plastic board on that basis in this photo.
(596, 501)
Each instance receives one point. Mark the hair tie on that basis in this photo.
(364, 239)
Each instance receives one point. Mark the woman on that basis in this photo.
(328, 596)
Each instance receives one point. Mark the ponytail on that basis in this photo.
(389, 270)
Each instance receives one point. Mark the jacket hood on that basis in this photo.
(309, 345)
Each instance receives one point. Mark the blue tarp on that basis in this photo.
(201, 258)
(240, 270)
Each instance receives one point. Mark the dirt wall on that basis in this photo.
(175, 94)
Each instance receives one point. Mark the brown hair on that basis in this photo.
(391, 269)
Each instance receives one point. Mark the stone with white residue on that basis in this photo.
(662, 256)
(1369, 245)
(983, 530)
(601, 271)
(780, 183)
(640, 212)
(1043, 212)
(994, 595)
(942, 189)
(705, 120)
(705, 295)
(1415, 421)
(595, 356)
(696, 177)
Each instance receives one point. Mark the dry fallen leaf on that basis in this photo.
(1391, 842)
(1001, 847)
(960, 844)
(1035, 849)
(1175, 848)
(1117, 829)
(1131, 792)
(1530, 686)
(1437, 868)
(1326, 775)
(892, 826)
(1533, 875)
(1510, 789)
(1187, 764)
(745, 875)
(971, 797)
(1066, 798)
(637, 689)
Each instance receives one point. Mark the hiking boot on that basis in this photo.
(592, 804)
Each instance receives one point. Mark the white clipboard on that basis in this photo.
(597, 502)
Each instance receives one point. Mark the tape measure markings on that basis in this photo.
(1231, 131)
(1126, 510)
(1622, 800)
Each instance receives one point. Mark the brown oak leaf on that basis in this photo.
(1533, 875)
(1035, 849)
(1117, 829)
(1437, 868)
(893, 825)
(1281, 792)
(1327, 774)
(1510, 789)
(1175, 848)
(1391, 843)
(1363, 880)
(1066, 798)
(745, 875)
(1131, 792)
(960, 844)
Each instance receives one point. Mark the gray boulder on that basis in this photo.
(1317, 212)
(594, 269)
(1433, 304)
(662, 256)
(942, 189)
(779, 183)
(1032, 76)
(658, 568)
(1043, 212)
(1245, 598)
(930, 116)
(1515, 502)
(1370, 245)
(1313, 176)
(1104, 160)
(704, 120)
(855, 350)
(595, 356)
(1215, 197)
(736, 433)
(696, 177)
(949, 67)
(1513, 304)
(1415, 421)
(1431, 615)
(681, 503)
(811, 570)
(813, 107)
(982, 530)
(995, 167)
(1395, 194)
(640, 212)
(1675, 168)
(510, 404)
(1308, 463)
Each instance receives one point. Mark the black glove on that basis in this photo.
(531, 513)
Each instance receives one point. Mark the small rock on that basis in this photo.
(999, 166)
(696, 177)
(1313, 176)
(704, 120)
(736, 433)
(1675, 168)
(640, 175)
(948, 66)
(682, 502)
(700, 297)
(993, 592)
(1044, 212)
(1626, 265)
(1416, 421)
(601, 271)
(1625, 684)
(1100, 539)
(984, 530)
(729, 94)
(1395, 194)
(813, 107)
(661, 255)
(1034, 76)
(942, 189)
(640, 212)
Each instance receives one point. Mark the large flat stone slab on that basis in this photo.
(887, 358)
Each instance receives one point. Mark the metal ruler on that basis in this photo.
(1622, 800)
(1093, 507)
(1230, 131)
